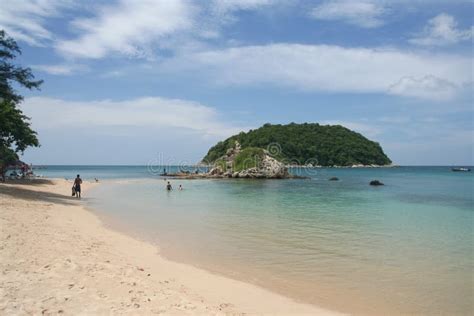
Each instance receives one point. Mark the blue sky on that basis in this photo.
(142, 81)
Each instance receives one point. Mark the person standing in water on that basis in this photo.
(77, 186)
(169, 187)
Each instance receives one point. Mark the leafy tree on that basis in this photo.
(15, 132)
(10, 73)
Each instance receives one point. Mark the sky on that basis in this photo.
(160, 81)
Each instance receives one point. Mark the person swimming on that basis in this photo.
(169, 187)
(180, 187)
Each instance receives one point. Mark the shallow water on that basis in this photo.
(406, 247)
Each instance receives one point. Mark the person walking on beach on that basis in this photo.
(77, 186)
(169, 187)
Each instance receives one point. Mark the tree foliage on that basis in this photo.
(11, 73)
(7, 156)
(326, 145)
(15, 131)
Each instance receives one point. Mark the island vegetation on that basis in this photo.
(306, 144)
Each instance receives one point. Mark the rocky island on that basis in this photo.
(267, 152)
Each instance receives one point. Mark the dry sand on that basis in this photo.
(56, 257)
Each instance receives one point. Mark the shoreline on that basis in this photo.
(59, 257)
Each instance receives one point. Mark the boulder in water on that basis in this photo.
(215, 171)
(376, 182)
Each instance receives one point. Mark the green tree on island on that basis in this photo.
(15, 131)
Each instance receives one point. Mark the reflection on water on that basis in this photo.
(406, 247)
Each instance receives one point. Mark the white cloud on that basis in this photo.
(131, 27)
(363, 13)
(442, 30)
(24, 19)
(61, 69)
(323, 67)
(427, 87)
(146, 112)
(135, 28)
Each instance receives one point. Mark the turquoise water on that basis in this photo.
(403, 248)
(107, 172)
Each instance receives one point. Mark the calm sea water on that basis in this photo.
(108, 172)
(403, 248)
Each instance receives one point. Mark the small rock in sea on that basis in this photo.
(334, 179)
(376, 182)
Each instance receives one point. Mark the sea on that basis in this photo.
(406, 247)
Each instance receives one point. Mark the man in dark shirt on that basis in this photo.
(77, 186)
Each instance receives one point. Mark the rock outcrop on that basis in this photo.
(376, 182)
(260, 166)
(249, 163)
(269, 168)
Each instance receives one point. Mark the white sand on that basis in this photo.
(57, 258)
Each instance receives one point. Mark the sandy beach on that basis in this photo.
(56, 257)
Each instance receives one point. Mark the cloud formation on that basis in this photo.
(137, 28)
(362, 13)
(442, 30)
(24, 20)
(145, 112)
(61, 69)
(428, 87)
(130, 28)
(328, 68)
